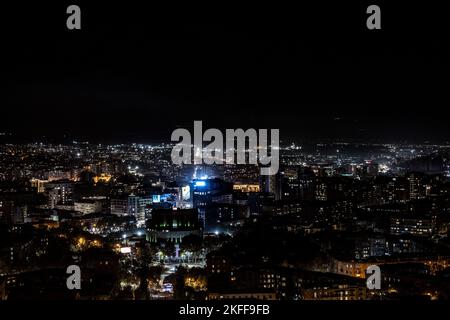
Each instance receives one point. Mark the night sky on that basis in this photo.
(135, 73)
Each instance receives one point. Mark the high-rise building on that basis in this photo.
(39, 185)
(132, 205)
(11, 213)
(205, 192)
(416, 188)
(59, 193)
(119, 206)
(271, 184)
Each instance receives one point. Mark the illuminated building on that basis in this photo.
(88, 206)
(144, 209)
(39, 185)
(332, 188)
(105, 178)
(418, 226)
(119, 207)
(243, 294)
(57, 175)
(415, 186)
(321, 192)
(271, 184)
(173, 224)
(59, 193)
(204, 194)
(221, 216)
(306, 180)
(132, 205)
(246, 187)
(351, 268)
(339, 292)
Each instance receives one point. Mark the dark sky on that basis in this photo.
(134, 72)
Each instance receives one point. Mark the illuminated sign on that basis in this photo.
(125, 250)
(186, 193)
(156, 198)
(200, 183)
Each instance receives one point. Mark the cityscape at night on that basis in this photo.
(142, 228)
(224, 161)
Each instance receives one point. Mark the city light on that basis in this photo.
(200, 183)
(207, 162)
(125, 250)
(316, 199)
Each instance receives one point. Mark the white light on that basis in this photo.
(125, 250)
(124, 236)
(139, 233)
(216, 232)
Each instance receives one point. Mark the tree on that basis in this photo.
(192, 246)
(168, 249)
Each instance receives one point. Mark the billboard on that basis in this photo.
(185, 193)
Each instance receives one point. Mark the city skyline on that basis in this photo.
(134, 223)
(114, 185)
